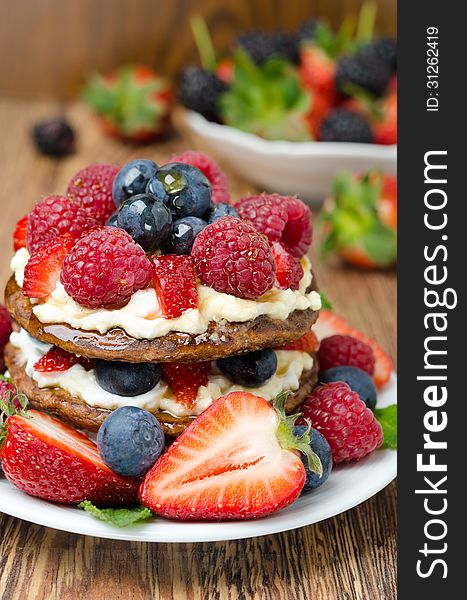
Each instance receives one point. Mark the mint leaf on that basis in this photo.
(119, 517)
(325, 302)
(387, 418)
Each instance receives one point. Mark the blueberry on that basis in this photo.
(221, 210)
(127, 379)
(249, 370)
(132, 179)
(320, 446)
(147, 219)
(359, 381)
(156, 188)
(188, 190)
(184, 232)
(112, 220)
(130, 441)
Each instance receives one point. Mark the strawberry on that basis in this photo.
(387, 203)
(132, 103)
(57, 359)
(385, 125)
(237, 460)
(175, 282)
(225, 70)
(317, 71)
(359, 220)
(307, 343)
(330, 324)
(48, 459)
(42, 270)
(321, 104)
(185, 380)
(19, 237)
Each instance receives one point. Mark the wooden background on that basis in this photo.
(349, 557)
(47, 47)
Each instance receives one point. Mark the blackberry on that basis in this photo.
(200, 90)
(262, 45)
(384, 49)
(369, 74)
(54, 137)
(345, 126)
(306, 31)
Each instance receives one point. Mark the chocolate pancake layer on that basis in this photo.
(221, 339)
(78, 413)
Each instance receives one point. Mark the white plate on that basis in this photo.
(303, 168)
(346, 487)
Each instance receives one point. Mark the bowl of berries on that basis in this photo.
(290, 110)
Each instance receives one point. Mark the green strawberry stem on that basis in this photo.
(289, 441)
(8, 408)
(366, 23)
(204, 43)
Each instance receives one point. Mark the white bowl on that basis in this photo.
(303, 168)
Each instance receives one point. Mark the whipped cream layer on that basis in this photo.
(83, 384)
(142, 318)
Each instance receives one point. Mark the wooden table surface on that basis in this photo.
(349, 557)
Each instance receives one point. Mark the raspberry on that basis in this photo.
(54, 216)
(185, 379)
(203, 162)
(232, 257)
(345, 421)
(19, 237)
(5, 330)
(307, 343)
(283, 219)
(289, 269)
(345, 351)
(175, 282)
(57, 359)
(105, 268)
(91, 188)
(42, 270)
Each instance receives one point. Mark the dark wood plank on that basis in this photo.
(47, 47)
(350, 557)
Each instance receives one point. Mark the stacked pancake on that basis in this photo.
(63, 353)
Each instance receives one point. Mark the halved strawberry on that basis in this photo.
(19, 236)
(331, 324)
(307, 343)
(57, 359)
(175, 282)
(235, 461)
(185, 380)
(42, 270)
(48, 459)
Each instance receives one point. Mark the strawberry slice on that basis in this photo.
(42, 270)
(331, 324)
(237, 460)
(19, 236)
(48, 459)
(175, 282)
(59, 360)
(185, 380)
(307, 343)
